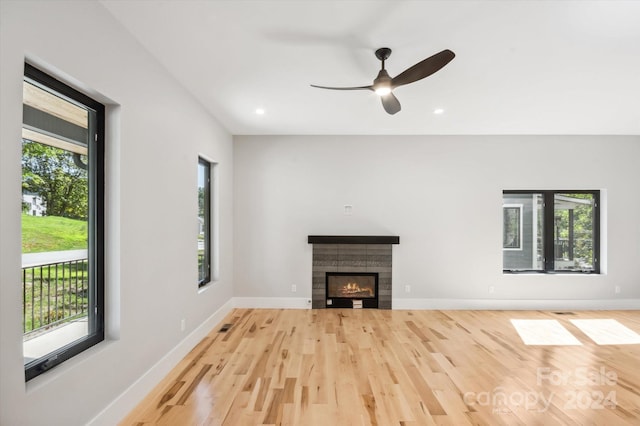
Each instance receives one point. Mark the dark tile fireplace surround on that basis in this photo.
(351, 254)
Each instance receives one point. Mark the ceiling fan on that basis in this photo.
(384, 85)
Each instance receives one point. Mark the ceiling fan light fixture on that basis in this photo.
(383, 90)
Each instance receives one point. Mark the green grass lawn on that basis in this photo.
(52, 233)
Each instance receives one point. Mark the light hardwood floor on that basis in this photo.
(383, 367)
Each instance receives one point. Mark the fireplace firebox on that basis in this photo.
(352, 289)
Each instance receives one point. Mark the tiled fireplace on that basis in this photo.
(355, 269)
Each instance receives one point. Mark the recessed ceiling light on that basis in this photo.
(260, 111)
(438, 111)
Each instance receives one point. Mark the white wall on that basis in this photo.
(442, 195)
(155, 133)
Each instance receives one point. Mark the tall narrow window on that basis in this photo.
(62, 222)
(204, 222)
(559, 231)
(512, 226)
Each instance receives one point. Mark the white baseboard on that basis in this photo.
(127, 400)
(272, 302)
(498, 304)
(455, 304)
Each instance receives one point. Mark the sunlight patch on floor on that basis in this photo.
(607, 331)
(544, 332)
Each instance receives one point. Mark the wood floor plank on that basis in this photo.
(383, 367)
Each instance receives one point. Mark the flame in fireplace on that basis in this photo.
(353, 289)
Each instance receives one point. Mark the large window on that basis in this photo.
(204, 222)
(551, 231)
(62, 222)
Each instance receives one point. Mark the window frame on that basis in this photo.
(96, 228)
(208, 167)
(548, 234)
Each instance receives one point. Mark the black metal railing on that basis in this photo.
(579, 248)
(562, 249)
(54, 293)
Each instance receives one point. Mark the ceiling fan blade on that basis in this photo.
(344, 88)
(390, 103)
(423, 68)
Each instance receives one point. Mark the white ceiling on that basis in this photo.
(521, 67)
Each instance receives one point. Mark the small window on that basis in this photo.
(551, 231)
(63, 238)
(512, 226)
(204, 222)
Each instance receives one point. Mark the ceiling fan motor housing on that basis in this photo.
(382, 81)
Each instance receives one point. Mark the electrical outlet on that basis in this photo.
(617, 289)
(348, 209)
(407, 289)
(294, 288)
(183, 324)
(492, 289)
